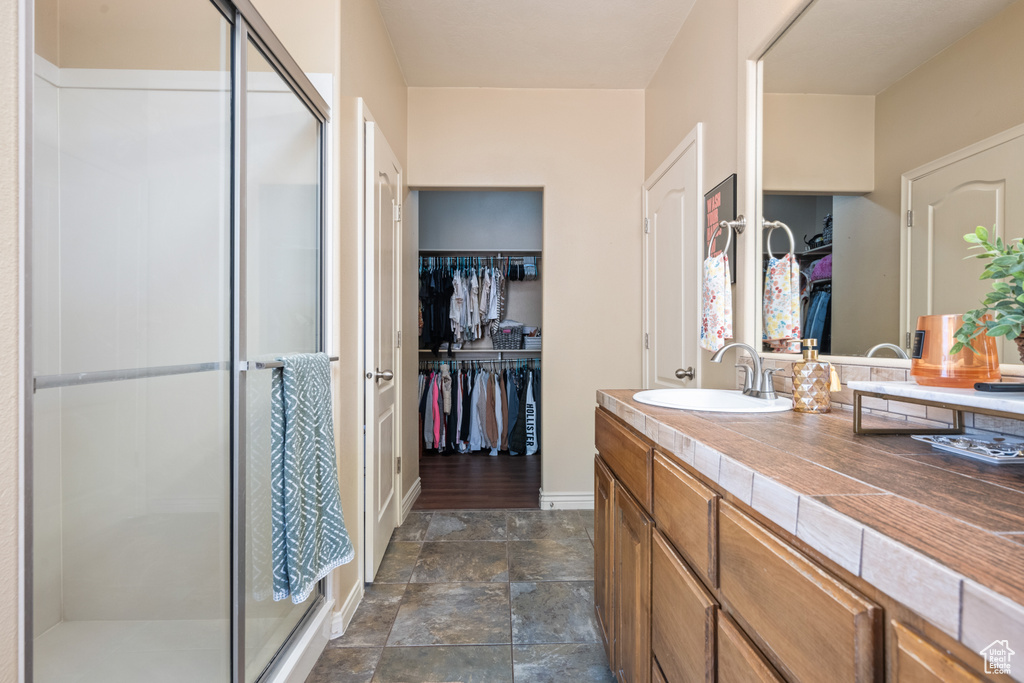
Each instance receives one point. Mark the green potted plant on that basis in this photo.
(1002, 311)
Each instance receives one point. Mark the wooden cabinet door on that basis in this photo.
(917, 660)
(738, 660)
(811, 625)
(604, 566)
(632, 538)
(686, 511)
(656, 676)
(682, 618)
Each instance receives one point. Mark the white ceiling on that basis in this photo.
(532, 43)
(861, 47)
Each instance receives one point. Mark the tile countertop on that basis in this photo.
(941, 534)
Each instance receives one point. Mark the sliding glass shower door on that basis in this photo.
(177, 196)
(282, 313)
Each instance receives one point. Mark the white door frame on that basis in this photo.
(907, 181)
(693, 139)
(365, 219)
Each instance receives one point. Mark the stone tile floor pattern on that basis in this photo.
(492, 596)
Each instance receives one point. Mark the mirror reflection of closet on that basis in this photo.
(864, 100)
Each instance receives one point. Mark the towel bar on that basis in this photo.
(76, 379)
(267, 364)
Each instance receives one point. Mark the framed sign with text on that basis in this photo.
(720, 205)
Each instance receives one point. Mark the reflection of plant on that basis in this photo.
(1002, 311)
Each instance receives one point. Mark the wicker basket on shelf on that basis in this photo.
(509, 336)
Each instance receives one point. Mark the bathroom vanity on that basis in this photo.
(781, 547)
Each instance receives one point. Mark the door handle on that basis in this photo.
(688, 373)
(386, 375)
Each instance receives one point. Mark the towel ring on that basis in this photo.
(714, 235)
(771, 226)
(734, 226)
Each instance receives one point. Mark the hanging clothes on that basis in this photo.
(469, 409)
(513, 411)
(531, 418)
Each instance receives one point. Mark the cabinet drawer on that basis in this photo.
(812, 626)
(626, 454)
(917, 660)
(685, 511)
(682, 618)
(738, 660)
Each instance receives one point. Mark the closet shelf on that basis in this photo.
(817, 251)
(481, 252)
(808, 253)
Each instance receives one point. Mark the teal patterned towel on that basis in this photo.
(309, 536)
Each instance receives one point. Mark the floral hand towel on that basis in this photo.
(716, 312)
(782, 299)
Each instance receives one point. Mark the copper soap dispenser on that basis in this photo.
(813, 381)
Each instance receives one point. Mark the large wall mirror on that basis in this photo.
(890, 129)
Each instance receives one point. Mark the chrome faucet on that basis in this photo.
(900, 353)
(758, 383)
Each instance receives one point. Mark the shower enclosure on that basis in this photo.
(176, 241)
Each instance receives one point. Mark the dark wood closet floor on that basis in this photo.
(479, 482)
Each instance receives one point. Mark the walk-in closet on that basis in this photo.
(480, 276)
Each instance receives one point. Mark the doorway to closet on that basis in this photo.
(480, 300)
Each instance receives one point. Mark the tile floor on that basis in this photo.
(492, 596)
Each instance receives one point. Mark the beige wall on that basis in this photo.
(367, 68)
(696, 83)
(112, 34)
(819, 144)
(967, 93)
(9, 324)
(370, 70)
(585, 149)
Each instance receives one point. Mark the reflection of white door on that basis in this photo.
(982, 185)
(672, 259)
(383, 240)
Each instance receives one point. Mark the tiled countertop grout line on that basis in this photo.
(889, 572)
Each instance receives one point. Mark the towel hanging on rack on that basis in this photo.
(782, 299)
(716, 313)
(781, 290)
(308, 529)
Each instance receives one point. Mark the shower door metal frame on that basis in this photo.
(247, 25)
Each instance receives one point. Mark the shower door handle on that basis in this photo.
(377, 376)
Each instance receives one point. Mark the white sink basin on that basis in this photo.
(711, 400)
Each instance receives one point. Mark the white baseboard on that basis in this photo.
(343, 617)
(298, 662)
(578, 500)
(410, 498)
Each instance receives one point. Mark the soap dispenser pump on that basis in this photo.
(813, 381)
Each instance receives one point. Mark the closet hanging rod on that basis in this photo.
(492, 351)
(478, 361)
(76, 379)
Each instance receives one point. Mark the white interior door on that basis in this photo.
(984, 188)
(672, 259)
(383, 240)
